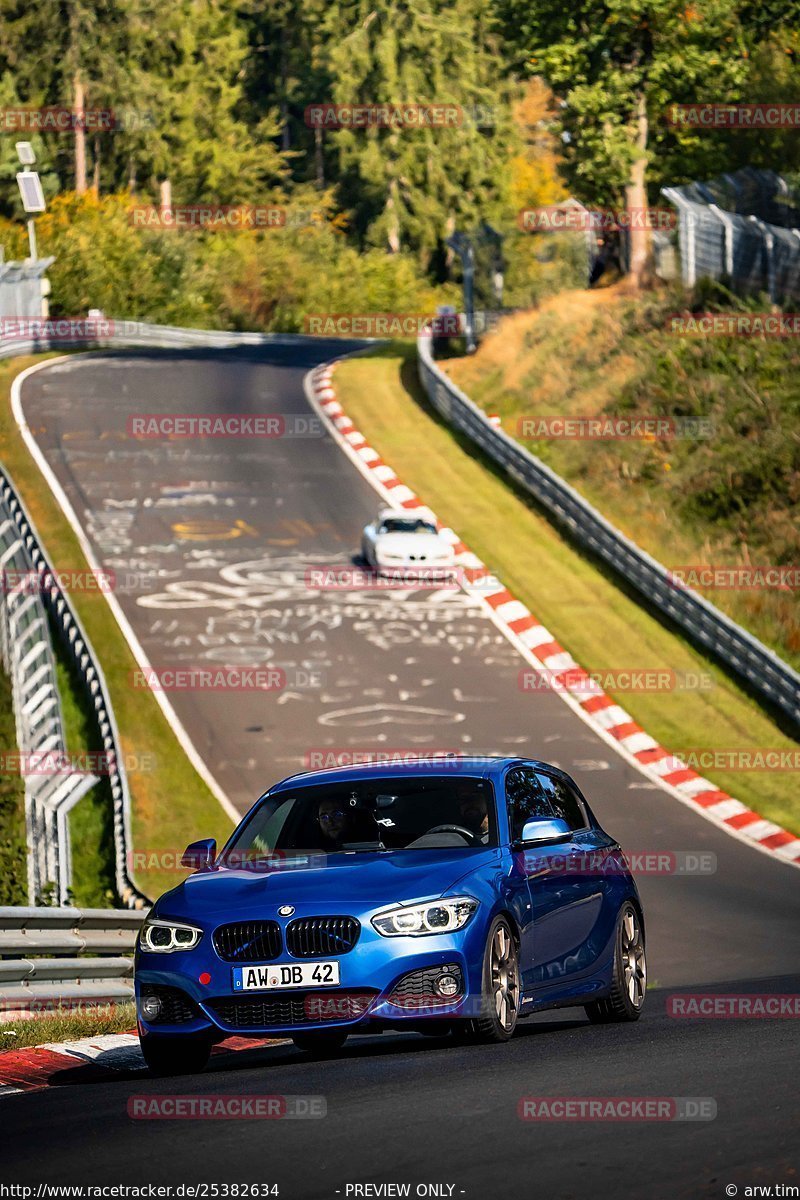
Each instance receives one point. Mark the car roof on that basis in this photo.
(486, 766)
(405, 514)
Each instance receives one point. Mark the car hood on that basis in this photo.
(412, 544)
(342, 884)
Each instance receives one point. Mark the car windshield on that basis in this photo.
(384, 815)
(405, 525)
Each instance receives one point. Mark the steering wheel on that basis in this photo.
(467, 833)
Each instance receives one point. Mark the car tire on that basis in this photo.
(320, 1043)
(501, 986)
(629, 975)
(187, 1055)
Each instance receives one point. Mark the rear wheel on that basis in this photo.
(320, 1043)
(175, 1055)
(501, 986)
(629, 977)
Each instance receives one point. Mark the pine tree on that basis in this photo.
(410, 187)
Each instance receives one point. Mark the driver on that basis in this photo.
(474, 812)
(332, 821)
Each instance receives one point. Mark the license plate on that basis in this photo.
(285, 975)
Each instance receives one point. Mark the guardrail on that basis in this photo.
(27, 654)
(58, 793)
(758, 667)
(42, 963)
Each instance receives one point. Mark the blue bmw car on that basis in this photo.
(451, 896)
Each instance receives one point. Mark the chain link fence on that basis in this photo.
(742, 229)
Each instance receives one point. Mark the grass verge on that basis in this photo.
(170, 804)
(62, 1025)
(13, 842)
(723, 496)
(587, 612)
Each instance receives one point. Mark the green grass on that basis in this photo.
(585, 610)
(170, 804)
(64, 1026)
(13, 842)
(728, 499)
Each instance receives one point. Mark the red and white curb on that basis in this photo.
(38, 1067)
(538, 646)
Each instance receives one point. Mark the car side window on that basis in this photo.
(563, 801)
(525, 798)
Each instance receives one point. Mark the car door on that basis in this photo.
(525, 801)
(567, 892)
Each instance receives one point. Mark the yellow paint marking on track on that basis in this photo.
(212, 531)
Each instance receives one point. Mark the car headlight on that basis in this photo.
(419, 920)
(165, 937)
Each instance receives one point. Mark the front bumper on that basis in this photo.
(384, 982)
(414, 569)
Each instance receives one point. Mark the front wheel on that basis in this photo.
(175, 1055)
(501, 987)
(320, 1043)
(629, 976)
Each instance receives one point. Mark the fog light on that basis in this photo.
(150, 1007)
(447, 985)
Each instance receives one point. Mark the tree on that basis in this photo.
(410, 187)
(618, 65)
(66, 53)
(286, 71)
(190, 61)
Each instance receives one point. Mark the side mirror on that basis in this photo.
(544, 829)
(199, 856)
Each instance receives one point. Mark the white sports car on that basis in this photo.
(398, 540)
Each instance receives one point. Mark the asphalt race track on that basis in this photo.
(211, 542)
